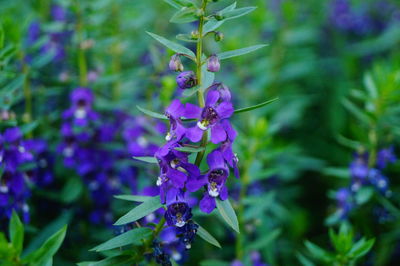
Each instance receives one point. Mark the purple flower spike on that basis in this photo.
(186, 80)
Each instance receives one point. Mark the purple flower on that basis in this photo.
(214, 180)
(175, 169)
(213, 64)
(174, 112)
(379, 181)
(186, 80)
(210, 117)
(175, 63)
(344, 202)
(58, 13)
(256, 259)
(81, 109)
(187, 233)
(178, 211)
(359, 171)
(386, 156)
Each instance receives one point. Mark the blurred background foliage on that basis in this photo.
(333, 64)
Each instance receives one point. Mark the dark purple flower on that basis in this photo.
(359, 171)
(386, 156)
(81, 109)
(58, 13)
(174, 112)
(379, 181)
(175, 63)
(175, 169)
(215, 180)
(213, 64)
(178, 211)
(344, 201)
(223, 90)
(210, 117)
(187, 233)
(186, 80)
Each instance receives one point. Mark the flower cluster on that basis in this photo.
(55, 40)
(22, 163)
(92, 145)
(363, 175)
(367, 18)
(178, 176)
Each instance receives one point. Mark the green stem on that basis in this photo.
(27, 92)
(200, 92)
(82, 64)
(156, 232)
(245, 180)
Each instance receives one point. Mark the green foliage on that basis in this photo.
(10, 252)
(150, 205)
(347, 251)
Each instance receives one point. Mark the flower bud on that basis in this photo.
(213, 64)
(218, 16)
(186, 80)
(218, 36)
(194, 34)
(175, 63)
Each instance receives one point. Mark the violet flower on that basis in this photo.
(210, 117)
(178, 211)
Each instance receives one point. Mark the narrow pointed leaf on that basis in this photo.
(146, 159)
(133, 236)
(172, 45)
(238, 52)
(151, 113)
(185, 15)
(214, 24)
(47, 250)
(356, 111)
(140, 211)
(136, 198)
(207, 236)
(238, 12)
(246, 109)
(190, 149)
(16, 232)
(228, 214)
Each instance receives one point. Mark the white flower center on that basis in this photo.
(25, 208)
(202, 125)
(176, 255)
(150, 217)
(180, 223)
(213, 192)
(93, 185)
(80, 113)
(188, 246)
(142, 141)
(168, 137)
(68, 152)
(382, 183)
(21, 149)
(3, 189)
(159, 181)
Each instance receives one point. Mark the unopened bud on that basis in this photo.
(175, 63)
(218, 36)
(186, 80)
(218, 16)
(194, 34)
(213, 64)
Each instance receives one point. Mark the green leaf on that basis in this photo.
(370, 86)
(238, 52)
(172, 45)
(185, 15)
(246, 109)
(179, 3)
(303, 260)
(228, 214)
(185, 38)
(318, 252)
(43, 59)
(72, 190)
(207, 236)
(207, 78)
(236, 13)
(111, 261)
(140, 211)
(28, 128)
(362, 247)
(13, 85)
(264, 241)
(133, 236)
(47, 250)
(1, 36)
(190, 92)
(364, 195)
(135, 198)
(214, 24)
(16, 232)
(356, 111)
(146, 159)
(151, 113)
(214, 263)
(190, 149)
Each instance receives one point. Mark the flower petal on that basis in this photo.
(224, 109)
(207, 204)
(218, 134)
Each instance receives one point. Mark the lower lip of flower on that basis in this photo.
(68, 152)
(80, 113)
(3, 189)
(180, 223)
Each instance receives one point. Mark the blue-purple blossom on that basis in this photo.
(175, 63)
(214, 180)
(385, 156)
(178, 212)
(186, 80)
(210, 117)
(213, 64)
